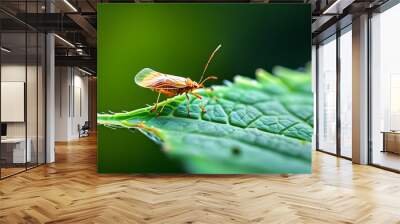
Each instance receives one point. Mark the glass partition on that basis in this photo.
(22, 89)
(13, 95)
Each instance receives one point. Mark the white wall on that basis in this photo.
(62, 81)
(80, 110)
(71, 102)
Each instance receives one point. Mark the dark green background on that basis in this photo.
(177, 39)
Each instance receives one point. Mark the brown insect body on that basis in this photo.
(190, 87)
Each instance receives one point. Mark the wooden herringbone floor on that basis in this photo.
(70, 191)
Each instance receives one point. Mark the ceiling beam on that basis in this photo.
(82, 61)
(86, 27)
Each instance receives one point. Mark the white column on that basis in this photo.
(360, 90)
(50, 98)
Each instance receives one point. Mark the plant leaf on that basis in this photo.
(250, 126)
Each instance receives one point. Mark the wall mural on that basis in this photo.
(204, 88)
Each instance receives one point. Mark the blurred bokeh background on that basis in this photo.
(178, 39)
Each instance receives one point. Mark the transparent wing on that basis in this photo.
(148, 78)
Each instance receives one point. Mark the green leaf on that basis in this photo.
(250, 126)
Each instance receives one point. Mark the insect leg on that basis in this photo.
(155, 106)
(196, 95)
(162, 108)
(187, 103)
(202, 107)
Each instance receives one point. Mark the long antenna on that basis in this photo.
(209, 60)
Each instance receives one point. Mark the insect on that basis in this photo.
(171, 85)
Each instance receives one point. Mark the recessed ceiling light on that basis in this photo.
(337, 7)
(65, 41)
(5, 50)
(84, 71)
(70, 5)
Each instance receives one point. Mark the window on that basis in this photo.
(327, 95)
(385, 89)
(345, 92)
